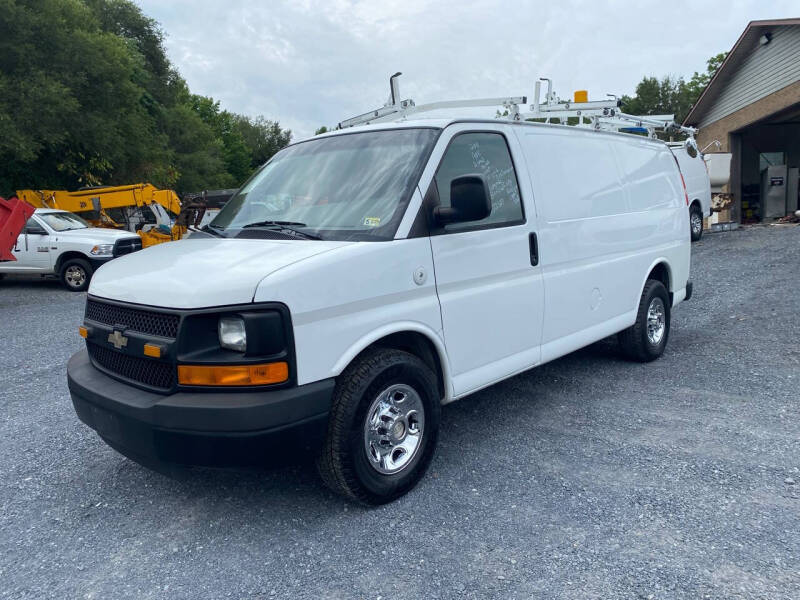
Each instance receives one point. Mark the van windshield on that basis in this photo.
(346, 187)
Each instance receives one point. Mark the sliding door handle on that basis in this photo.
(534, 248)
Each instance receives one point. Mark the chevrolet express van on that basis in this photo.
(363, 278)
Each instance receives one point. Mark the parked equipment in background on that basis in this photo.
(719, 170)
(13, 214)
(779, 185)
(210, 200)
(139, 208)
(56, 242)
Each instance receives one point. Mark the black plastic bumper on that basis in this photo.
(99, 262)
(199, 428)
(689, 289)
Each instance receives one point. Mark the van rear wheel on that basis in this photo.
(696, 223)
(383, 427)
(647, 338)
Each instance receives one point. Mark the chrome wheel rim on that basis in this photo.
(75, 276)
(393, 429)
(697, 223)
(656, 321)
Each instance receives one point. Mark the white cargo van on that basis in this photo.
(362, 278)
(698, 184)
(61, 244)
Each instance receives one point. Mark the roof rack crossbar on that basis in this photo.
(601, 114)
(395, 109)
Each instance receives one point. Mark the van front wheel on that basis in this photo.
(383, 427)
(647, 338)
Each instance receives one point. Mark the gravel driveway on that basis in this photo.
(589, 477)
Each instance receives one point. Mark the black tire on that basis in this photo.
(696, 222)
(75, 274)
(635, 342)
(343, 463)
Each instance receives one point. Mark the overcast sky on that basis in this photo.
(307, 63)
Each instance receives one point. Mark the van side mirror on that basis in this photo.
(469, 201)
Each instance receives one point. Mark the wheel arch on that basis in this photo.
(412, 337)
(660, 271)
(68, 255)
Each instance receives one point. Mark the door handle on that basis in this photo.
(534, 249)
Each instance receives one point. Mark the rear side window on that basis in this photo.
(486, 154)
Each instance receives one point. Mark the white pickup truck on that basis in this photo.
(57, 242)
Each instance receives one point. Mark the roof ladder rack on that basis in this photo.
(396, 109)
(601, 115)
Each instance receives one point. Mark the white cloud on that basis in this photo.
(308, 63)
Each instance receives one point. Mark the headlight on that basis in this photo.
(103, 250)
(232, 334)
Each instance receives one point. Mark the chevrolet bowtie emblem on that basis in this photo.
(118, 340)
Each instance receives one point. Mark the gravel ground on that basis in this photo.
(590, 477)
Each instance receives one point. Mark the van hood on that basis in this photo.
(200, 273)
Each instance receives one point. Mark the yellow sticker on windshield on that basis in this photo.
(372, 221)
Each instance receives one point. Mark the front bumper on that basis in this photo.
(99, 261)
(219, 428)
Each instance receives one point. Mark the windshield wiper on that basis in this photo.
(212, 230)
(284, 226)
(265, 223)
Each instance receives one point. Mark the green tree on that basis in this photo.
(88, 96)
(699, 81)
(321, 130)
(262, 137)
(670, 95)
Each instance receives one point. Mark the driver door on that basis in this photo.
(32, 250)
(490, 292)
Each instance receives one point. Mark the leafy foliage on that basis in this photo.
(670, 95)
(88, 96)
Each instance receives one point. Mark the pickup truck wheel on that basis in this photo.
(696, 223)
(383, 427)
(75, 274)
(646, 339)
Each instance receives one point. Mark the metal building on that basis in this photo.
(752, 107)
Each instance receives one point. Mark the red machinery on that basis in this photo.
(13, 215)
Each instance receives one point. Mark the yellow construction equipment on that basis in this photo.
(140, 207)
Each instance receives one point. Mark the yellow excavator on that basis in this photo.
(142, 208)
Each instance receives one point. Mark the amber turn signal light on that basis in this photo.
(83, 332)
(218, 375)
(152, 350)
